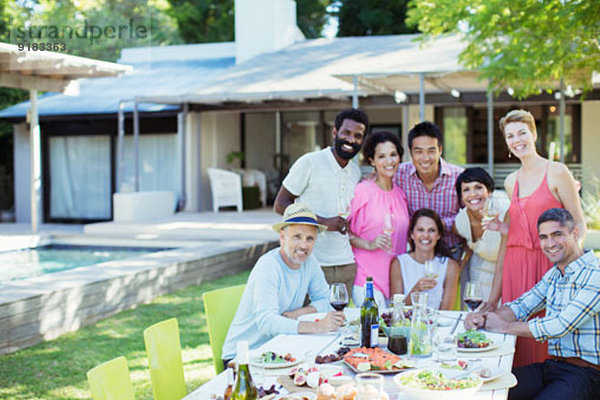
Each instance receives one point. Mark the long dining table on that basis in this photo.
(307, 346)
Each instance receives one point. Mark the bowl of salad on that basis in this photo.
(434, 384)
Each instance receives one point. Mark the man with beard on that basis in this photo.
(325, 180)
(278, 284)
(570, 293)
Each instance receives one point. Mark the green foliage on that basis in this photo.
(528, 45)
(201, 21)
(57, 369)
(373, 17)
(117, 24)
(311, 16)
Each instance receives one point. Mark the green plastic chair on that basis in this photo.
(457, 303)
(111, 381)
(220, 306)
(163, 350)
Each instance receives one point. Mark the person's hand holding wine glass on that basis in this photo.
(338, 296)
(388, 230)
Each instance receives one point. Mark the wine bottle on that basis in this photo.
(230, 380)
(369, 317)
(243, 388)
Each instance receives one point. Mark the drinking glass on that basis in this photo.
(388, 229)
(473, 298)
(338, 296)
(430, 270)
(343, 205)
(369, 386)
(444, 346)
(489, 211)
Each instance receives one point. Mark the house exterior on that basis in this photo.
(273, 96)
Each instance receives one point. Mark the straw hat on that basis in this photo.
(299, 214)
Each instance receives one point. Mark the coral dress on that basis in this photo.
(367, 209)
(524, 262)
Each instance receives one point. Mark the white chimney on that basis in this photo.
(264, 26)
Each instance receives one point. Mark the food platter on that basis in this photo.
(376, 360)
(474, 342)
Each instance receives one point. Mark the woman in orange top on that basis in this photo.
(539, 184)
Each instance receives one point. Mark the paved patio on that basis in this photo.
(183, 229)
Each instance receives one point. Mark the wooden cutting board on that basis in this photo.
(288, 384)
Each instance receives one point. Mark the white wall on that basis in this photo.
(590, 139)
(264, 26)
(22, 173)
(216, 134)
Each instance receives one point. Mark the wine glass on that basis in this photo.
(388, 229)
(473, 298)
(489, 211)
(343, 205)
(430, 270)
(338, 296)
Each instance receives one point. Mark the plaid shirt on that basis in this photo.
(572, 302)
(441, 199)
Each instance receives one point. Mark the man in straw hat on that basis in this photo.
(278, 284)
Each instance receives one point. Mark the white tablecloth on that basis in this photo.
(308, 346)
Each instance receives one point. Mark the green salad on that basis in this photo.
(431, 380)
(472, 339)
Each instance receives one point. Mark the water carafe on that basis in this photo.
(420, 334)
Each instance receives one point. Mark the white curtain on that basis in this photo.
(159, 163)
(80, 177)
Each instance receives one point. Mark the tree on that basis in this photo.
(95, 29)
(373, 17)
(311, 16)
(201, 21)
(524, 44)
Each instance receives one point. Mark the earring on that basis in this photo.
(509, 154)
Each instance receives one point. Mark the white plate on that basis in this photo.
(492, 346)
(445, 321)
(258, 364)
(312, 317)
(297, 396)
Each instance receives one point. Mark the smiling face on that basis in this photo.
(425, 153)
(519, 139)
(385, 160)
(348, 139)
(474, 195)
(425, 234)
(559, 243)
(297, 242)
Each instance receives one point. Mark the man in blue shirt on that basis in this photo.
(570, 293)
(278, 284)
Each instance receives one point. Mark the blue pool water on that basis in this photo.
(28, 263)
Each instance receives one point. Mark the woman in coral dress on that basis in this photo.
(373, 247)
(535, 187)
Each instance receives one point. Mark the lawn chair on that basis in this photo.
(111, 381)
(163, 350)
(226, 189)
(220, 306)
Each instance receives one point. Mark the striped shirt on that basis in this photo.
(442, 198)
(572, 301)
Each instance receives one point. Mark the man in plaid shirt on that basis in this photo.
(429, 181)
(570, 293)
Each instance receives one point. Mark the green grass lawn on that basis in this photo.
(57, 369)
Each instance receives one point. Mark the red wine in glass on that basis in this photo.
(473, 304)
(338, 305)
(338, 296)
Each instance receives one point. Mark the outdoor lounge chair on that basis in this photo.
(226, 189)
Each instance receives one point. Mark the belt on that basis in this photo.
(576, 361)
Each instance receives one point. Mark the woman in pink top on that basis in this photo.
(373, 200)
(536, 186)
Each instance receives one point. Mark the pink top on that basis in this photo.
(367, 209)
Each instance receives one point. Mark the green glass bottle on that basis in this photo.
(369, 317)
(243, 388)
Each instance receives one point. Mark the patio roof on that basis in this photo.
(46, 71)
(49, 71)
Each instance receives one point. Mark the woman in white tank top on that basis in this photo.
(407, 271)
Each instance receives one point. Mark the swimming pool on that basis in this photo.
(29, 263)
